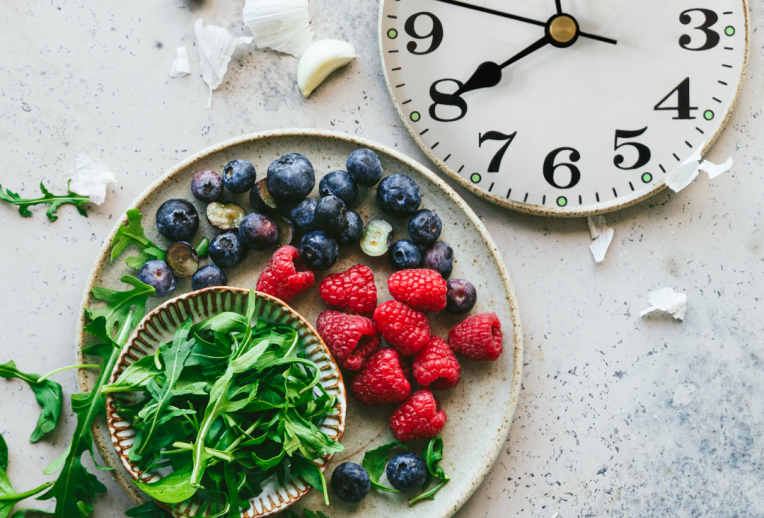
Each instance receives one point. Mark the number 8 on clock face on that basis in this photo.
(559, 107)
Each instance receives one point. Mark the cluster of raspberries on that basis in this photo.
(354, 333)
(385, 376)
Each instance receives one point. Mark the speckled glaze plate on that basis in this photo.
(480, 409)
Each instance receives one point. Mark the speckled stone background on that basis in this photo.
(619, 416)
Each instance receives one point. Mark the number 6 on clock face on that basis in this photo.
(566, 113)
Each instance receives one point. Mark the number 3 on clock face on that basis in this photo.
(567, 112)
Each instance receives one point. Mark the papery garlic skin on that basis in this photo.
(321, 59)
(181, 66)
(216, 45)
(90, 178)
(283, 25)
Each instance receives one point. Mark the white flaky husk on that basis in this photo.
(686, 173)
(216, 45)
(181, 66)
(282, 25)
(669, 301)
(90, 178)
(603, 236)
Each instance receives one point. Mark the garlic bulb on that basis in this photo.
(282, 25)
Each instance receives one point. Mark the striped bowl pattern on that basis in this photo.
(159, 326)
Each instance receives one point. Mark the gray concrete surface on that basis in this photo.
(619, 416)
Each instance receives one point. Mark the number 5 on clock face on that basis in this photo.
(563, 112)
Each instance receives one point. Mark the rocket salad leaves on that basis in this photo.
(9, 497)
(228, 404)
(48, 394)
(53, 200)
(133, 234)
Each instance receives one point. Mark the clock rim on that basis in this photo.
(538, 210)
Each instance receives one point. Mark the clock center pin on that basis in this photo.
(563, 29)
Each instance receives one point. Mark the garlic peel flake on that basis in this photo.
(669, 301)
(320, 60)
(686, 173)
(180, 67)
(283, 25)
(90, 178)
(603, 236)
(216, 45)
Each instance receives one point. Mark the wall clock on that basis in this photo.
(563, 107)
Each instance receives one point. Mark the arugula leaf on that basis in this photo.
(75, 488)
(312, 474)
(55, 202)
(173, 358)
(9, 497)
(172, 489)
(48, 394)
(133, 234)
(21, 513)
(311, 514)
(374, 462)
(148, 509)
(119, 304)
(135, 376)
(3, 453)
(433, 454)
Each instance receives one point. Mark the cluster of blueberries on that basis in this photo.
(282, 207)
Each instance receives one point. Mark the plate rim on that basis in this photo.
(551, 211)
(103, 441)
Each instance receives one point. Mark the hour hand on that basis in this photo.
(489, 74)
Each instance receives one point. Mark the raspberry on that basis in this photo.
(423, 290)
(382, 381)
(351, 338)
(403, 328)
(285, 275)
(420, 417)
(353, 290)
(435, 366)
(478, 337)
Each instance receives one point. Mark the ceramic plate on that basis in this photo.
(480, 409)
(159, 327)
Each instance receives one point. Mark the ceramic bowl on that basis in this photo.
(159, 326)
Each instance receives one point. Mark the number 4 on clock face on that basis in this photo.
(563, 107)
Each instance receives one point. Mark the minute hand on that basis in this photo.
(489, 74)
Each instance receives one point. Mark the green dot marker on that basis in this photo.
(476, 178)
(392, 34)
(562, 201)
(729, 31)
(708, 115)
(415, 116)
(647, 178)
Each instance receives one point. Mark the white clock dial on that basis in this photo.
(564, 107)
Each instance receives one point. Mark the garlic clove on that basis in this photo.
(321, 59)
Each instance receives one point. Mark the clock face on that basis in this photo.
(564, 107)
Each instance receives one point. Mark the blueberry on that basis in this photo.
(406, 471)
(398, 195)
(364, 166)
(339, 184)
(225, 216)
(291, 178)
(208, 276)
(331, 214)
(304, 215)
(460, 297)
(353, 231)
(318, 250)
(227, 250)
(177, 220)
(425, 227)
(405, 255)
(440, 257)
(286, 231)
(351, 482)
(260, 198)
(207, 186)
(157, 274)
(377, 237)
(258, 232)
(239, 176)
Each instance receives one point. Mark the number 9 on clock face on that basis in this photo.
(558, 107)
